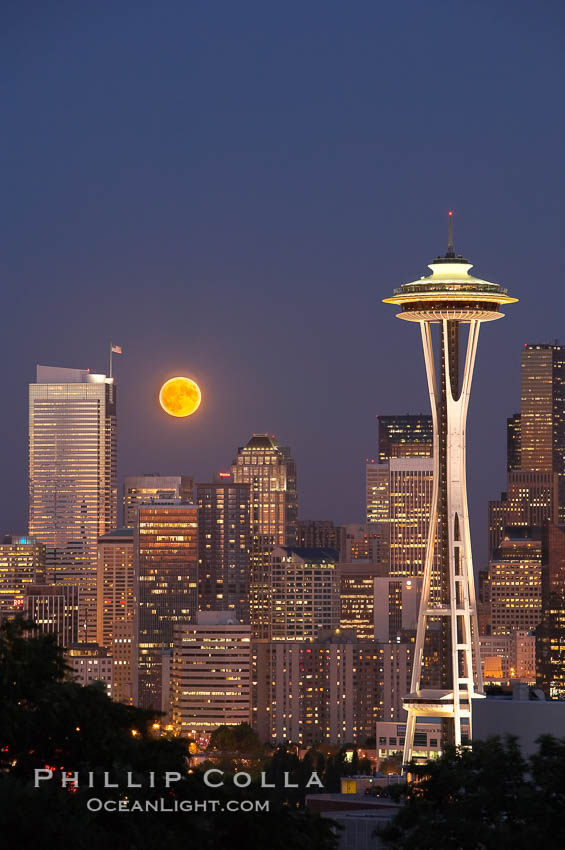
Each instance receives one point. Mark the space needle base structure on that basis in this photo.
(449, 298)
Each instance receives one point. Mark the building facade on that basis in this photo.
(303, 593)
(224, 543)
(210, 675)
(22, 563)
(542, 422)
(270, 472)
(408, 435)
(166, 590)
(55, 608)
(72, 474)
(144, 489)
(515, 575)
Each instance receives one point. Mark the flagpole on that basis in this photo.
(110, 361)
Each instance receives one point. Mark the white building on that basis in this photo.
(91, 663)
(210, 674)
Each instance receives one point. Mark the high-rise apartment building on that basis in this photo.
(303, 593)
(405, 436)
(270, 471)
(72, 474)
(210, 675)
(115, 606)
(22, 563)
(144, 489)
(224, 542)
(515, 582)
(326, 690)
(166, 590)
(357, 595)
(542, 422)
(91, 663)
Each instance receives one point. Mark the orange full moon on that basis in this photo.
(180, 396)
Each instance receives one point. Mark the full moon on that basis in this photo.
(180, 396)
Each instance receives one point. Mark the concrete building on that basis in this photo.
(325, 690)
(391, 737)
(303, 593)
(224, 542)
(210, 675)
(144, 489)
(91, 663)
(166, 589)
(270, 472)
(72, 475)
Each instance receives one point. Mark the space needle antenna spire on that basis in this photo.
(450, 251)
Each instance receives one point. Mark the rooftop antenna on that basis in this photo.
(450, 251)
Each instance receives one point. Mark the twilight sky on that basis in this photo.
(229, 189)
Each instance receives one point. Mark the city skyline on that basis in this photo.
(185, 212)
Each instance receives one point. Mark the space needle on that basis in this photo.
(450, 298)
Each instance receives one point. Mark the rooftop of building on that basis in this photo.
(117, 534)
(312, 555)
(63, 375)
(261, 441)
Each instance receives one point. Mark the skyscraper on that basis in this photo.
(115, 606)
(402, 502)
(515, 582)
(542, 421)
(166, 591)
(143, 489)
(223, 547)
(450, 297)
(270, 472)
(72, 474)
(406, 435)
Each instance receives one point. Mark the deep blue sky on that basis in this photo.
(229, 189)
